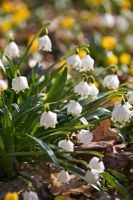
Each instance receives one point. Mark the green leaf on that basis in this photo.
(118, 175)
(56, 90)
(111, 180)
(45, 147)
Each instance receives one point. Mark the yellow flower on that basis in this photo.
(116, 99)
(5, 26)
(34, 46)
(60, 197)
(67, 22)
(125, 58)
(82, 53)
(131, 69)
(8, 6)
(108, 42)
(11, 196)
(125, 4)
(96, 2)
(112, 59)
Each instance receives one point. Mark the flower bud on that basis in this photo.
(44, 43)
(111, 82)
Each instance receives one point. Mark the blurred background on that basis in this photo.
(107, 26)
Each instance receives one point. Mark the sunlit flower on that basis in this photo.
(125, 58)
(74, 108)
(30, 196)
(5, 26)
(3, 85)
(67, 145)
(130, 97)
(12, 50)
(85, 136)
(125, 4)
(87, 63)
(11, 196)
(112, 59)
(91, 176)
(96, 164)
(111, 82)
(19, 84)
(44, 43)
(108, 20)
(67, 22)
(48, 119)
(64, 177)
(82, 89)
(34, 46)
(82, 53)
(74, 61)
(121, 113)
(108, 42)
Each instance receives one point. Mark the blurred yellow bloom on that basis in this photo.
(112, 59)
(62, 62)
(96, 84)
(11, 196)
(131, 69)
(82, 53)
(5, 26)
(125, 4)
(125, 58)
(60, 197)
(96, 2)
(108, 42)
(67, 22)
(116, 99)
(7, 6)
(34, 46)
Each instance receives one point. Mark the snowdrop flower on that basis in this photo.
(87, 63)
(82, 88)
(111, 82)
(44, 43)
(93, 91)
(67, 145)
(127, 105)
(48, 119)
(3, 85)
(74, 61)
(121, 113)
(30, 196)
(12, 50)
(97, 165)
(91, 176)
(64, 176)
(74, 108)
(19, 84)
(130, 97)
(85, 136)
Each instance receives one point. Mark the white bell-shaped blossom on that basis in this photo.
(87, 63)
(82, 89)
(3, 85)
(127, 105)
(108, 20)
(44, 43)
(130, 97)
(19, 84)
(91, 176)
(67, 145)
(96, 164)
(11, 50)
(30, 196)
(121, 113)
(74, 108)
(85, 136)
(48, 119)
(111, 82)
(74, 61)
(93, 91)
(63, 177)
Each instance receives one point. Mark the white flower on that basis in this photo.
(121, 113)
(48, 119)
(1, 64)
(12, 50)
(129, 41)
(87, 63)
(111, 82)
(93, 91)
(96, 164)
(44, 43)
(82, 89)
(30, 196)
(91, 176)
(74, 61)
(64, 176)
(109, 20)
(130, 97)
(122, 24)
(67, 145)
(127, 105)
(85, 136)
(19, 84)
(3, 85)
(74, 108)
